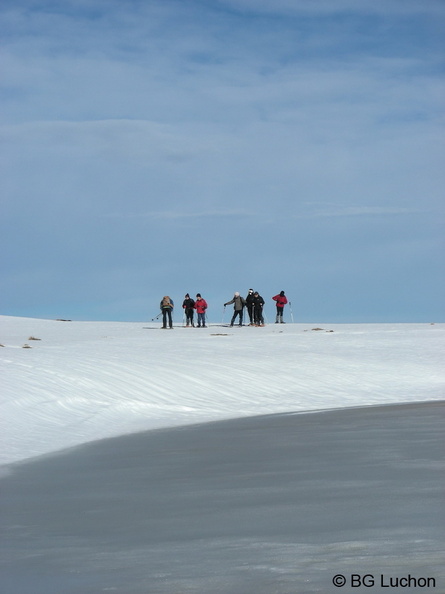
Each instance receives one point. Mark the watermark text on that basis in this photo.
(356, 580)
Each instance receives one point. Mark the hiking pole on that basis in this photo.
(158, 316)
(222, 319)
(291, 314)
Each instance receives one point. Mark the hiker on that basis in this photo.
(258, 304)
(201, 306)
(250, 306)
(281, 300)
(238, 306)
(167, 308)
(189, 309)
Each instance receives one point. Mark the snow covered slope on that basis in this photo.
(82, 381)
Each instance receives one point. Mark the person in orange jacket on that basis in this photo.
(201, 306)
(281, 301)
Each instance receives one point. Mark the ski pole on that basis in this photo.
(159, 315)
(291, 314)
(222, 319)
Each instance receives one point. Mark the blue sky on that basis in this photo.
(170, 146)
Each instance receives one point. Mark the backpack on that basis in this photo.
(166, 302)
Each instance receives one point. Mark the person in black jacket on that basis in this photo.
(189, 309)
(258, 304)
(250, 307)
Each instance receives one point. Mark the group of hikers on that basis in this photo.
(254, 304)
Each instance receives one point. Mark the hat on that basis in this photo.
(198, 294)
(237, 294)
(187, 295)
(250, 290)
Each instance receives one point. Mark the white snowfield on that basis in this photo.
(83, 381)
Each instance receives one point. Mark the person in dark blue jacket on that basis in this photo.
(258, 304)
(189, 309)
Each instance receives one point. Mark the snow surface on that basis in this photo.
(84, 381)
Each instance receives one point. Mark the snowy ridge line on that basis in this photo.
(440, 401)
(318, 411)
(85, 381)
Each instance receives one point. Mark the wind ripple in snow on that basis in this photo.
(85, 381)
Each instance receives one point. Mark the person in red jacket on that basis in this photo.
(201, 306)
(281, 300)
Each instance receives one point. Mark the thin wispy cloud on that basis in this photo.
(361, 211)
(339, 7)
(170, 215)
